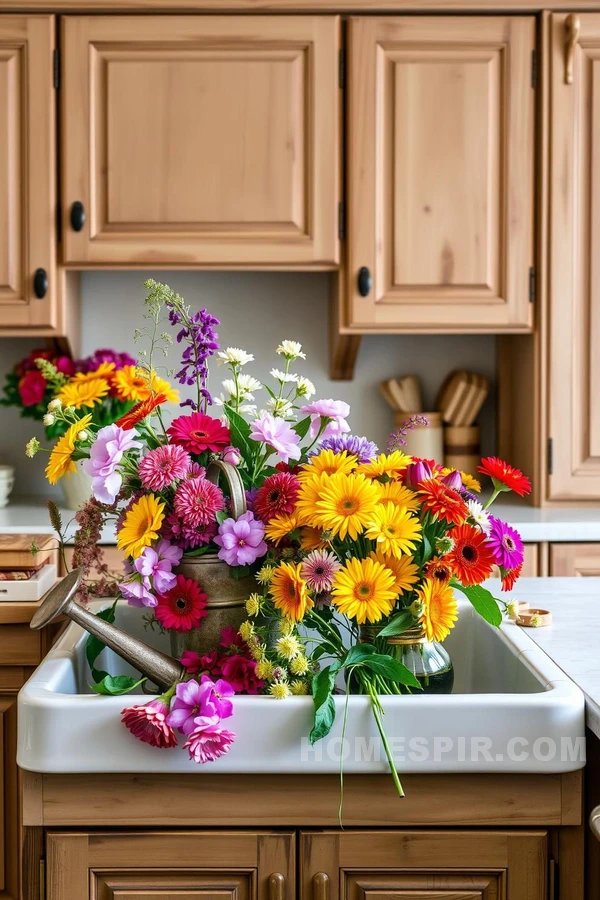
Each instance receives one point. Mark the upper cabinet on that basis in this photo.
(203, 140)
(440, 173)
(27, 174)
(574, 262)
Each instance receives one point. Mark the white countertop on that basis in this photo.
(572, 641)
(29, 514)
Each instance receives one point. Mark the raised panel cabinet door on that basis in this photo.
(202, 140)
(575, 559)
(10, 817)
(440, 173)
(27, 173)
(574, 277)
(198, 865)
(424, 865)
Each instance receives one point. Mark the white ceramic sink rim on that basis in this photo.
(63, 731)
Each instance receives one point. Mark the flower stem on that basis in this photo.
(376, 707)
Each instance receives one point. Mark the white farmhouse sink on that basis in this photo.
(512, 710)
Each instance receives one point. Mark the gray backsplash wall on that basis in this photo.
(257, 311)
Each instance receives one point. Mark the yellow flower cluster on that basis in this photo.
(128, 384)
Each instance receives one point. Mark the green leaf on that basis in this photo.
(483, 602)
(356, 655)
(382, 664)
(94, 646)
(322, 688)
(239, 572)
(240, 433)
(301, 427)
(113, 685)
(220, 516)
(399, 624)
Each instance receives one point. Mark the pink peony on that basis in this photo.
(148, 723)
(336, 410)
(242, 541)
(32, 387)
(106, 453)
(197, 501)
(208, 741)
(278, 434)
(161, 467)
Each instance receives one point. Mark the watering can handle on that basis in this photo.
(236, 486)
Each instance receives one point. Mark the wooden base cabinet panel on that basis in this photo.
(201, 140)
(424, 865)
(440, 173)
(575, 559)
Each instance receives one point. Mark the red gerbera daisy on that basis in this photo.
(439, 569)
(509, 576)
(277, 496)
(198, 432)
(139, 411)
(505, 476)
(183, 607)
(444, 502)
(471, 559)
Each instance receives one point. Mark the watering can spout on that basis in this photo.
(161, 669)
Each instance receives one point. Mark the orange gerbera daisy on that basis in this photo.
(140, 411)
(289, 592)
(439, 569)
(505, 476)
(509, 576)
(440, 609)
(443, 502)
(472, 558)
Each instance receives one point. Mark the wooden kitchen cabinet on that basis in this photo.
(201, 141)
(574, 276)
(228, 865)
(440, 173)
(424, 865)
(27, 174)
(574, 559)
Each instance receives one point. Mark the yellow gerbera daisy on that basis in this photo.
(390, 464)
(141, 525)
(329, 462)
(441, 609)
(309, 494)
(289, 592)
(394, 528)
(347, 504)
(83, 393)
(61, 462)
(399, 495)
(404, 570)
(132, 383)
(105, 370)
(311, 538)
(280, 527)
(364, 590)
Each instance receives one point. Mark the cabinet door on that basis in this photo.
(424, 865)
(10, 825)
(27, 172)
(575, 559)
(165, 865)
(440, 173)
(201, 140)
(574, 282)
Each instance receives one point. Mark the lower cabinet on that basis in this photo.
(574, 559)
(244, 865)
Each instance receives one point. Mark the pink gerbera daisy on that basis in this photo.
(148, 723)
(197, 501)
(318, 570)
(161, 467)
(209, 741)
(199, 432)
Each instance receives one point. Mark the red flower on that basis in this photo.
(240, 672)
(509, 576)
(139, 411)
(285, 467)
(438, 569)
(198, 432)
(32, 387)
(183, 607)
(232, 641)
(472, 558)
(277, 496)
(505, 476)
(194, 663)
(444, 502)
(148, 724)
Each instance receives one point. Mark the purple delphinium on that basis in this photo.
(106, 355)
(107, 451)
(398, 437)
(506, 544)
(361, 447)
(241, 541)
(202, 342)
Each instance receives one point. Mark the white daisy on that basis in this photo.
(280, 407)
(234, 356)
(478, 514)
(305, 387)
(291, 350)
(283, 377)
(249, 384)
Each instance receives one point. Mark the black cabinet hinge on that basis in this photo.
(534, 68)
(550, 454)
(342, 69)
(342, 220)
(532, 284)
(56, 68)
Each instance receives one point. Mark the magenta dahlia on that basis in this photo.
(188, 537)
(506, 544)
(161, 467)
(197, 501)
(277, 496)
(199, 432)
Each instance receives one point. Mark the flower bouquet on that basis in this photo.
(345, 561)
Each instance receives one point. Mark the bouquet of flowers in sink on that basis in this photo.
(283, 555)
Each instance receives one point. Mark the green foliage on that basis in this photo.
(240, 433)
(482, 600)
(322, 687)
(301, 427)
(399, 624)
(114, 685)
(94, 646)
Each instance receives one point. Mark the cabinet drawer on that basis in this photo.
(19, 646)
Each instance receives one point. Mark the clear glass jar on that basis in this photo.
(429, 662)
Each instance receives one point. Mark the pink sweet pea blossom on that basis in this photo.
(241, 541)
(148, 723)
(278, 434)
(204, 698)
(209, 740)
(336, 410)
(156, 563)
(106, 453)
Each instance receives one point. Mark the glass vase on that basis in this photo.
(428, 661)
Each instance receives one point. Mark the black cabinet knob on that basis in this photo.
(40, 283)
(77, 216)
(365, 282)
